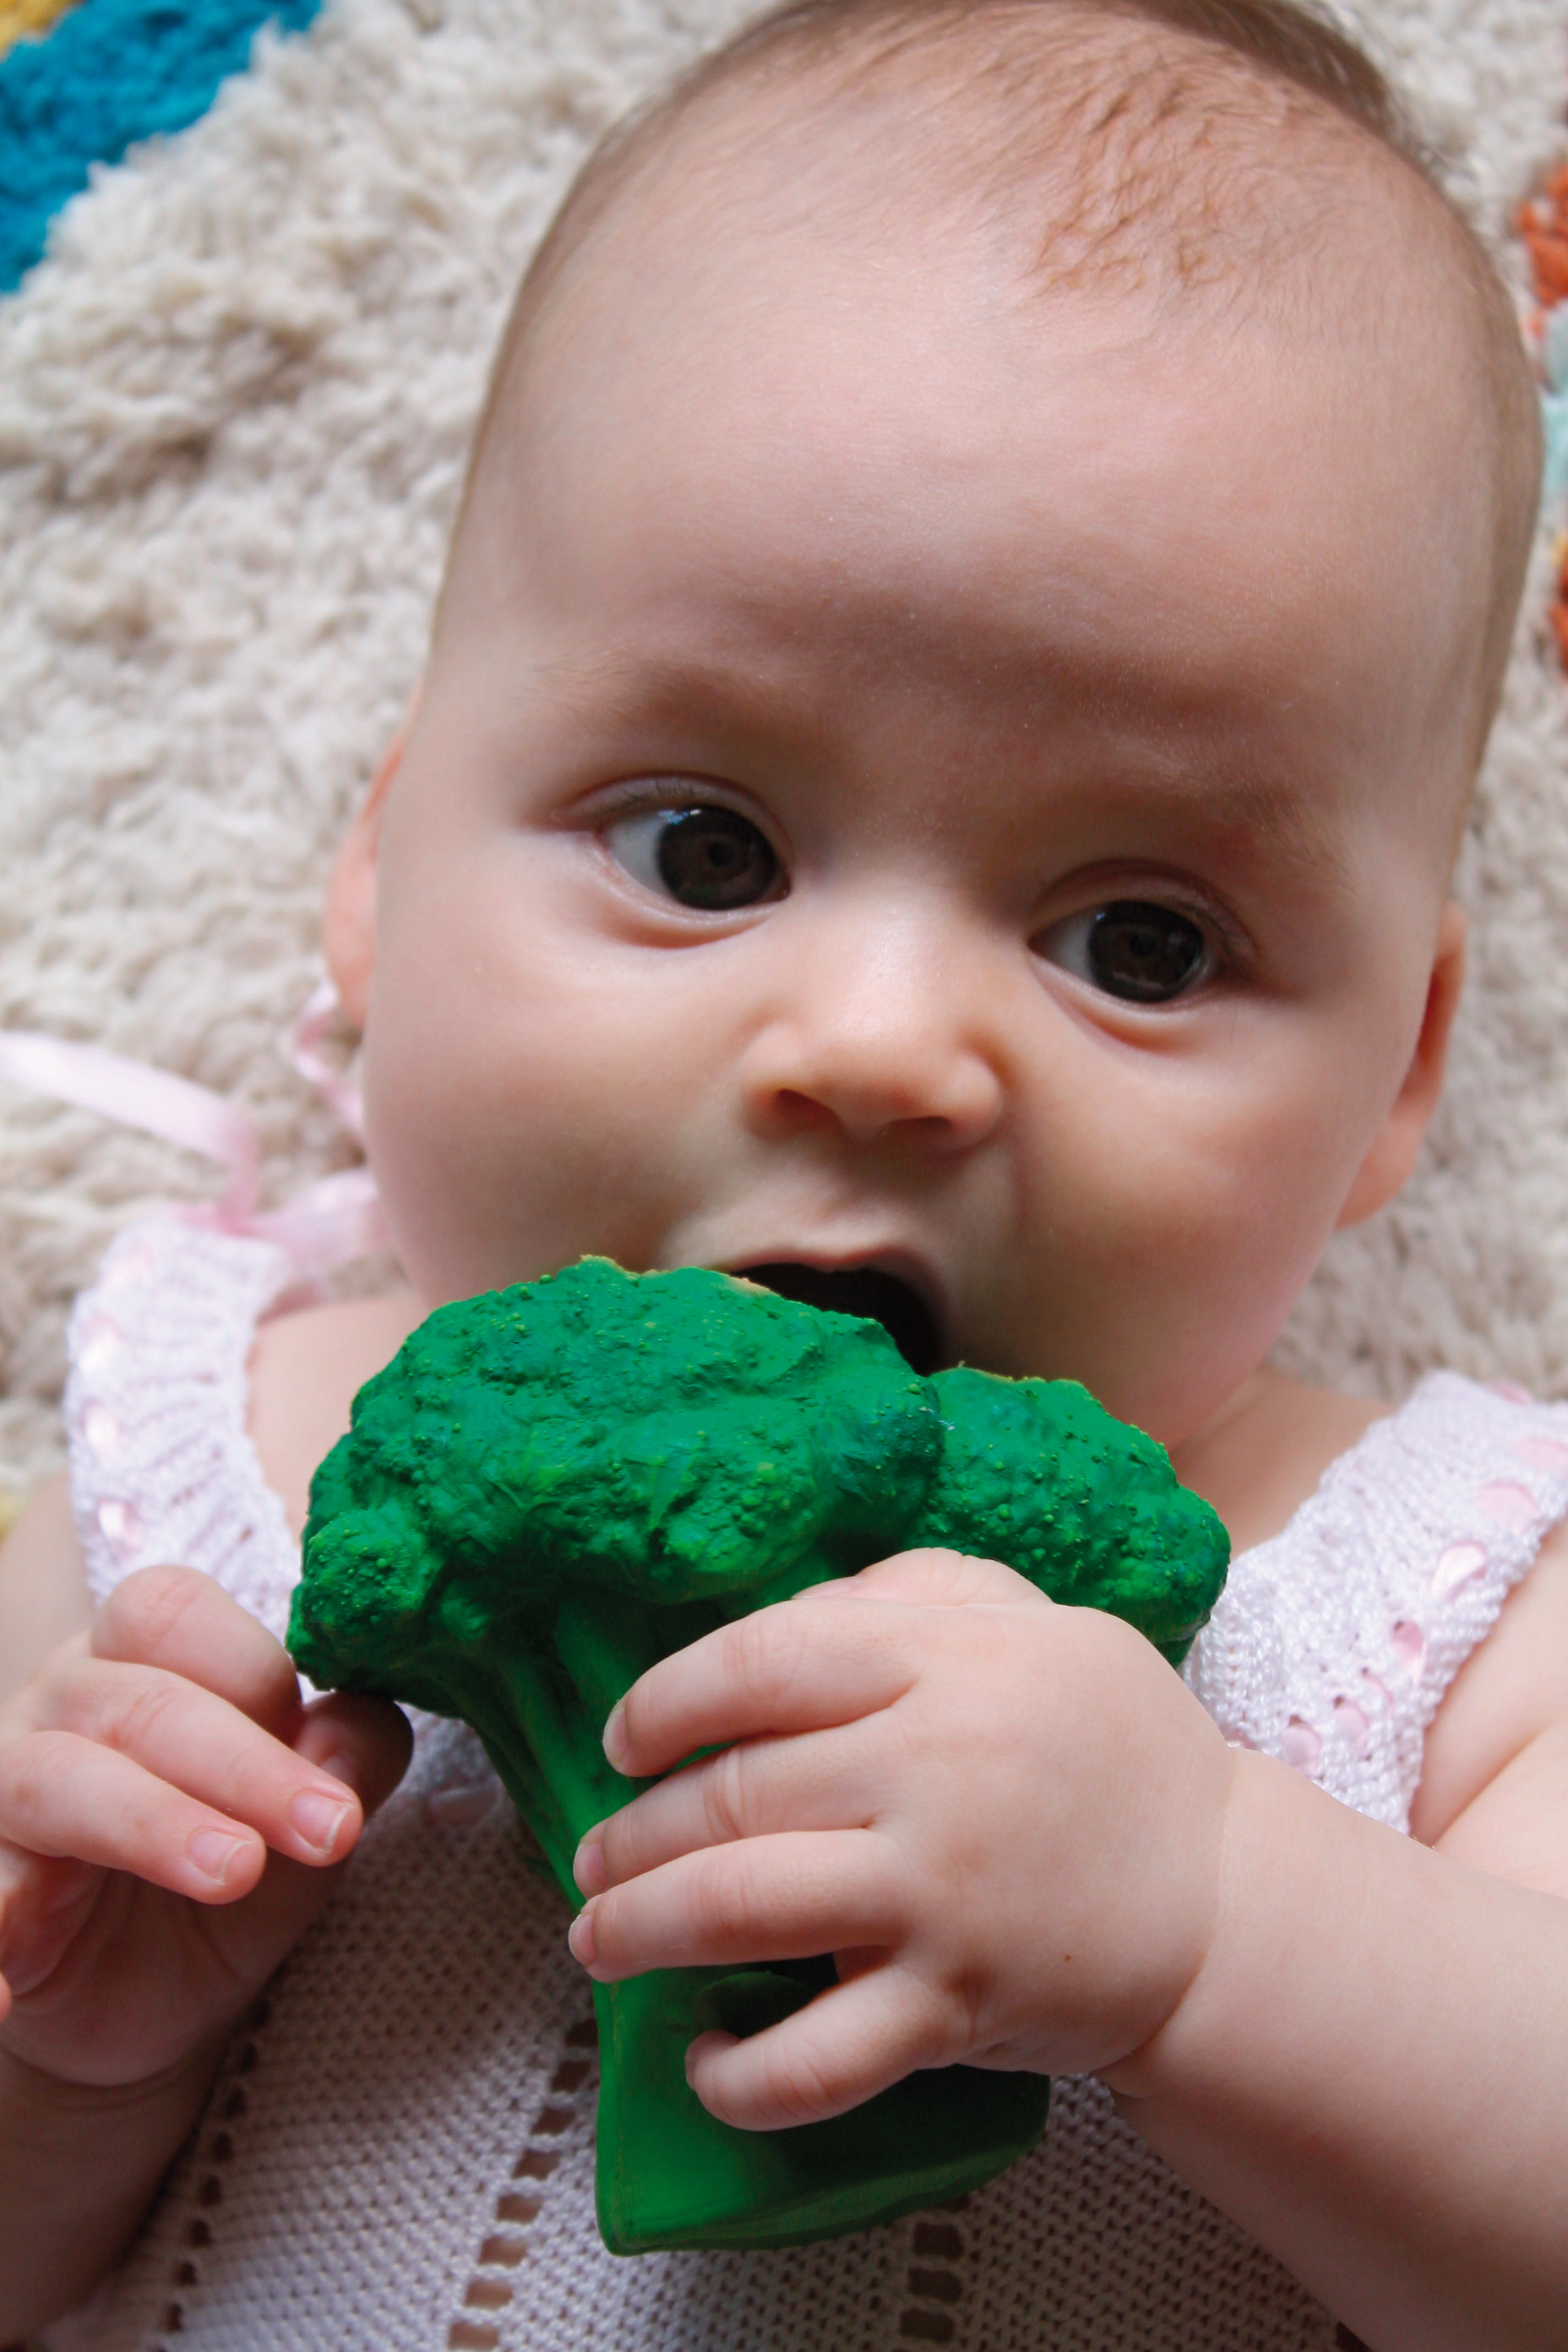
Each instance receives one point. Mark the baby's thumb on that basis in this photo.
(363, 1742)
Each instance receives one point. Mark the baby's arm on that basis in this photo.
(151, 1754)
(1029, 1847)
(1371, 2073)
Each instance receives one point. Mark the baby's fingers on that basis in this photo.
(825, 1781)
(61, 1795)
(42, 1906)
(800, 1665)
(189, 1746)
(838, 2052)
(176, 1619)
(362, 1742)
(787, 1897)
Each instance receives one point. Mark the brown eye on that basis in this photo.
(1134, 949)
(712, 858)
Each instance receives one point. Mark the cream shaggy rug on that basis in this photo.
(234, 403)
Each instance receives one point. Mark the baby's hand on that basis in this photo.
(1002, 1818)
(145, 1771)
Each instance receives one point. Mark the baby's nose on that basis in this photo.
(886, 1029)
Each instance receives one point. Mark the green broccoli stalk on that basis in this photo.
(553, 1487)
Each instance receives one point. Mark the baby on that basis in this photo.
(984, 577)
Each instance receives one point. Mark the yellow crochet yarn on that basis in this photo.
(22, 18)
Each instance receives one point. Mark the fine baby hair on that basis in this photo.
(1122, 161)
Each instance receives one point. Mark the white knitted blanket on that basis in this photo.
(234, 401)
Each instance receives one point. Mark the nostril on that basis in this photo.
(802, 1110)
(866, 1119)
(910, 1085)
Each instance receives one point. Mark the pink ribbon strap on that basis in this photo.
(332, 1221)
(315, 1018)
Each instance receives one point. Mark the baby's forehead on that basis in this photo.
(1206, 208)
(1103, 162)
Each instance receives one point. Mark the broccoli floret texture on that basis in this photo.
(554, 1486)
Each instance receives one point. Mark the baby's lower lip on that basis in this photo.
(860, 1290)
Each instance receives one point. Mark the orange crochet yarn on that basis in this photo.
(1542, 221)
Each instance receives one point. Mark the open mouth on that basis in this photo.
(861, 1290)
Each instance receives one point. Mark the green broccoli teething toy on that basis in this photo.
(552, 1486)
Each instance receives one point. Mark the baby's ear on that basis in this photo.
(1393, 1155)
(348, 923)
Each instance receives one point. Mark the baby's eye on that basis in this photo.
(1134, 949)
(712, 858)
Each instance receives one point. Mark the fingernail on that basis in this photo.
(318, 1818)
(588, 1866)
(580, 1938)
(215, 1853)
(616, 1735)
(339, 1767)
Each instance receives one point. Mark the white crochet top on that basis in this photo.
(397, 2155)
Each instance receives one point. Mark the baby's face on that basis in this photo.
(922, 779)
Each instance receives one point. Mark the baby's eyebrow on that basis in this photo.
(616, 685)
(1272, 809)
(739, 702)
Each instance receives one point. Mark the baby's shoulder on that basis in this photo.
(1497, 1752)
(305, 1370)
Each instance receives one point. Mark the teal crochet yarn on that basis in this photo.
(108, 73)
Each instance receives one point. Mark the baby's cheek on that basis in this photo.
(511, 1138)
(1160, 1299)
(1196, 1246)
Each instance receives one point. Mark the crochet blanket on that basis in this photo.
(234, 396)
